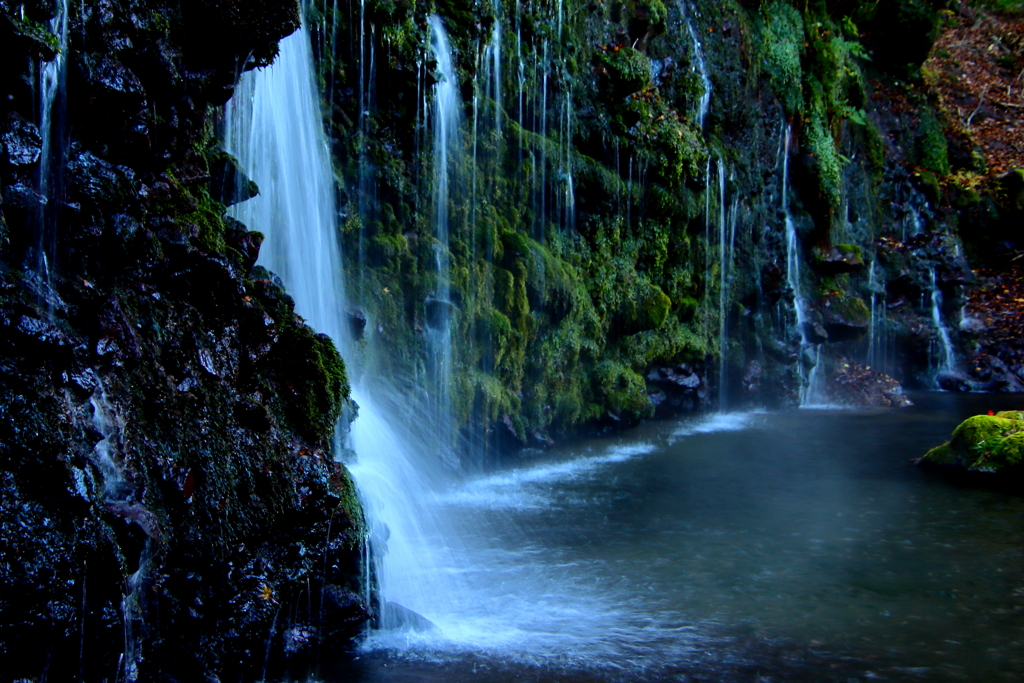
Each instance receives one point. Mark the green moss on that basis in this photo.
(931, 186)
(822, 146)
(626, 70)
(312, 375)
(980, 429)
(623, 390)
(653, 309)
(782, 45)
(1009, 451)
(985, 443)
(853, 309)
(941, 455)
(687, 308)
(931, 146)
(876, 147)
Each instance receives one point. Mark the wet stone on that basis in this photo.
(21, 142)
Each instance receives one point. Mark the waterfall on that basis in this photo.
(52, 80)
(447, 125)
(874, 325)
(274, 129)
(542, 130)
(492, 64)
(569, 213)
(107, 451)
(699, 66)
(367, 187)
(723, 291)
(947, 357)
(811, 385)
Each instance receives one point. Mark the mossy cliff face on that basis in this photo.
(169, 505)
(586, 216)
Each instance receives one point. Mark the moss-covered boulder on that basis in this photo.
(844, 317)
(983, 443)
(840, 258)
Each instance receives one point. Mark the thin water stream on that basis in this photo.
(795, 546)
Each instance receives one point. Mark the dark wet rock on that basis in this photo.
(438, 312)
(82, 380)
(109, 77)
(253, 415)
(29, 37)
(245, 242)
(99, 183)
(840, 258)
(356, 322)
(43, 335)
(22, 195)
(752, 374)
(117, 337)
(20, 140)
(953, 380)
(781, 352)
(843, 317)
(990, 373)
(228, 184)
(137, 514)
(344, 613)
(853, 384)
(814, 331)
(146, 423)
(398, 616)
(675, 390)
(773, 282)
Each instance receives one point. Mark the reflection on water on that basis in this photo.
(788, 546)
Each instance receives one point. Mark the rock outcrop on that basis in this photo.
(991, 445)
(170, 508)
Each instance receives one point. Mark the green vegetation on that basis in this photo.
(985, 443)
(783, 42)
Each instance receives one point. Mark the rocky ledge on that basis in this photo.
(169, 505)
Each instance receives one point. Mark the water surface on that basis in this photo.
(795, 546)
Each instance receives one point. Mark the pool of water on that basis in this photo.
(792, 546)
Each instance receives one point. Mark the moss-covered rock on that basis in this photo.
(840, 258)
(983, 443)
(626, 69)
(309, 366)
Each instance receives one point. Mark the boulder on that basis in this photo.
(841, 258)
(854, 384)
(988, 444)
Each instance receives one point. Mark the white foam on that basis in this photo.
(719, 422)
(531, 487)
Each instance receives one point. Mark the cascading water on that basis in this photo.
(569, 196)
(541, 116)
(367, 74)
(447, 124)
(699, 66)
(52, 80)
(274, 129)
(946, 354)
(120, 495)
(724, 266)
(877, 324)
(492, 63)
(811, 389)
